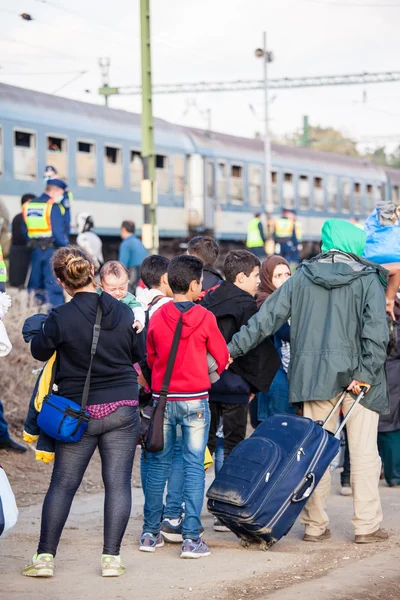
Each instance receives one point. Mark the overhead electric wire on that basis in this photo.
(69, 82)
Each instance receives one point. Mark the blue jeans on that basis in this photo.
(173, 505)
(193, 417)
(276, 400)
(219, 455)
(4, 435)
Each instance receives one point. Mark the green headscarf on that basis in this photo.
(344, 236)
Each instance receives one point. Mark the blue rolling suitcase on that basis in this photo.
(267, 479)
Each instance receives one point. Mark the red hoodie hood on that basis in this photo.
(191, 319)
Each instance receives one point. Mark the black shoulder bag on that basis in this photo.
(152, 437)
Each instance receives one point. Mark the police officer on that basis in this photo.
(287, 234)
(45, 230)
(3, 272)
(51, 173)
(255, 241)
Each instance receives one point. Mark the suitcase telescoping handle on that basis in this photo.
(338, 405)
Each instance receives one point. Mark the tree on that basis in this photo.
(325, 139)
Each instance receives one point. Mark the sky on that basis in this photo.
(215, 40)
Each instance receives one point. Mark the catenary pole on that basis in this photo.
(149, 185)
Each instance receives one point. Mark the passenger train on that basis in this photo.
(207, 181)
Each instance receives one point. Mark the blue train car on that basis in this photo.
(206, 181)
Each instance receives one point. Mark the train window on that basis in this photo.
(345, 195)
(162, 173)
(221, 182)
(236, 184)
(113, 170)
(370, 198)
(179, 175)
(57, 155)
(379, 192)
(86, 164)
(136, 171)
(255, 186)
(357, 198)
(319, 200)
(304, 192)
(288, 190)
(395, 188)
(1, 151)
(210, 177)
(332, 186)
(25, 159)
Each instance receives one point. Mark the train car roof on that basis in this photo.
(221, 143)
(37, 107)
(393, 175)
(32, 106)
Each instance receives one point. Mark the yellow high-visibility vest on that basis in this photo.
(283, 228)
(37, 216)
(254, 239)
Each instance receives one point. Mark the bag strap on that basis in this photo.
(171, 361)
(149, 306)
(95, 340)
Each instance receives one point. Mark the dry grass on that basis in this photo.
(17, 379)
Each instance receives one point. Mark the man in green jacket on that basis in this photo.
(339, 336)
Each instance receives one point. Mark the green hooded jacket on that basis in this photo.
(338, 332)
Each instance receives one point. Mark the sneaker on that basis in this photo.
(171, 530)
(317, 538)
(194, 549)
(111, 566)
(370, 538)
(218, 526)
(346, 490)
(42, 565)
(149, 542)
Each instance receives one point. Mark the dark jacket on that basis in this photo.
(211, 277)
(391, 421)
(338, 328)
(69, 330)
(251, 373)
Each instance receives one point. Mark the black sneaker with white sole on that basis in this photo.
(218, 526)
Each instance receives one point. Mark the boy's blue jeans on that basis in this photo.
(174, 500)
(193, 417)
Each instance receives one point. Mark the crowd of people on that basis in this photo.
(254, 341)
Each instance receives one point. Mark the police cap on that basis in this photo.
(58, 183)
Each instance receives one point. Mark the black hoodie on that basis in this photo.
(69, 331)
(254, 372)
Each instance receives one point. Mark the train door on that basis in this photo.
(210, 203)
(194, 200)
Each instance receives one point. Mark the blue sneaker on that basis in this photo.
(194, 549)
(149, 542)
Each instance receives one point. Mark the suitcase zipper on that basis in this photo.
(311, 467)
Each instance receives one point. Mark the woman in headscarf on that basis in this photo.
(274, 272)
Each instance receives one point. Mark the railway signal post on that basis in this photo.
(149, 185)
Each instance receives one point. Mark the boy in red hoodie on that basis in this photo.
(187, 404)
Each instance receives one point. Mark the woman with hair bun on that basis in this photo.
(112, 405)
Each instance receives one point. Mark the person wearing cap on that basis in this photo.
(65, 202)
(44, 229)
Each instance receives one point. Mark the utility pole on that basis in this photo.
(269, 207)
(149, 185)
(104, 64)
(305, 136)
